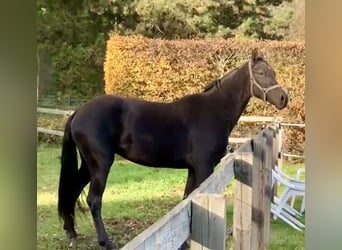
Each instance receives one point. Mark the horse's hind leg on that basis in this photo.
(99, 160)
(94, 200)
(83, 175)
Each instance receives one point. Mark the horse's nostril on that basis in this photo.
(283, 98)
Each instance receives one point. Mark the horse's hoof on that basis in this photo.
(72, 242)
(72, 235)
(110, 245)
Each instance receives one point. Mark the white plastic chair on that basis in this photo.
(287, 217)
(296, 181)
(300, 171)
(279, 207)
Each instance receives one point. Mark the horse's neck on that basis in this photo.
(236, 95)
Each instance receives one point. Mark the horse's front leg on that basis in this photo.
(190, 183)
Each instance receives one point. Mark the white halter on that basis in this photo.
(254, 82)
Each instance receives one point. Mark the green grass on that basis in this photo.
(135, 197)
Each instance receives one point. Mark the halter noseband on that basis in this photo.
(254, 82)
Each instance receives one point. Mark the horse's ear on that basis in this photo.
(257, 55)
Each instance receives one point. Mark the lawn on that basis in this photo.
(135, 197)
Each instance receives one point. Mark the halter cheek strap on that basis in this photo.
(254, 82)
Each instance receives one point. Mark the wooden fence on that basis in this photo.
(201, 218)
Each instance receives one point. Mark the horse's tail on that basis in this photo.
(68, 180)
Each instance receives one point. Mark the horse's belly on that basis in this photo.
(154, 151)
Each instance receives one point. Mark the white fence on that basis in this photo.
(238, 140)
(277, 121)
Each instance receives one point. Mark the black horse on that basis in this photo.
(190, 133)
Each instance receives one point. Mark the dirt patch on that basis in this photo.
(124, 230)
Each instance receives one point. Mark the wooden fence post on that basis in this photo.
(280, 146)
(260, 182)
(253, 174)
(274, 132)
(276, 155)
(242, 216)
(268, 166)
(208, 222)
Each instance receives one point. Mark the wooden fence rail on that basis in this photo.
(50, 131)
(54, 111)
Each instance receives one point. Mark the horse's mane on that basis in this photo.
(217, 81)
(211, 84)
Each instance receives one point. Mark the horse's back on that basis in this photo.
(98, 110)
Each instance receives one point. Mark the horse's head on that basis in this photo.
(263, 81)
